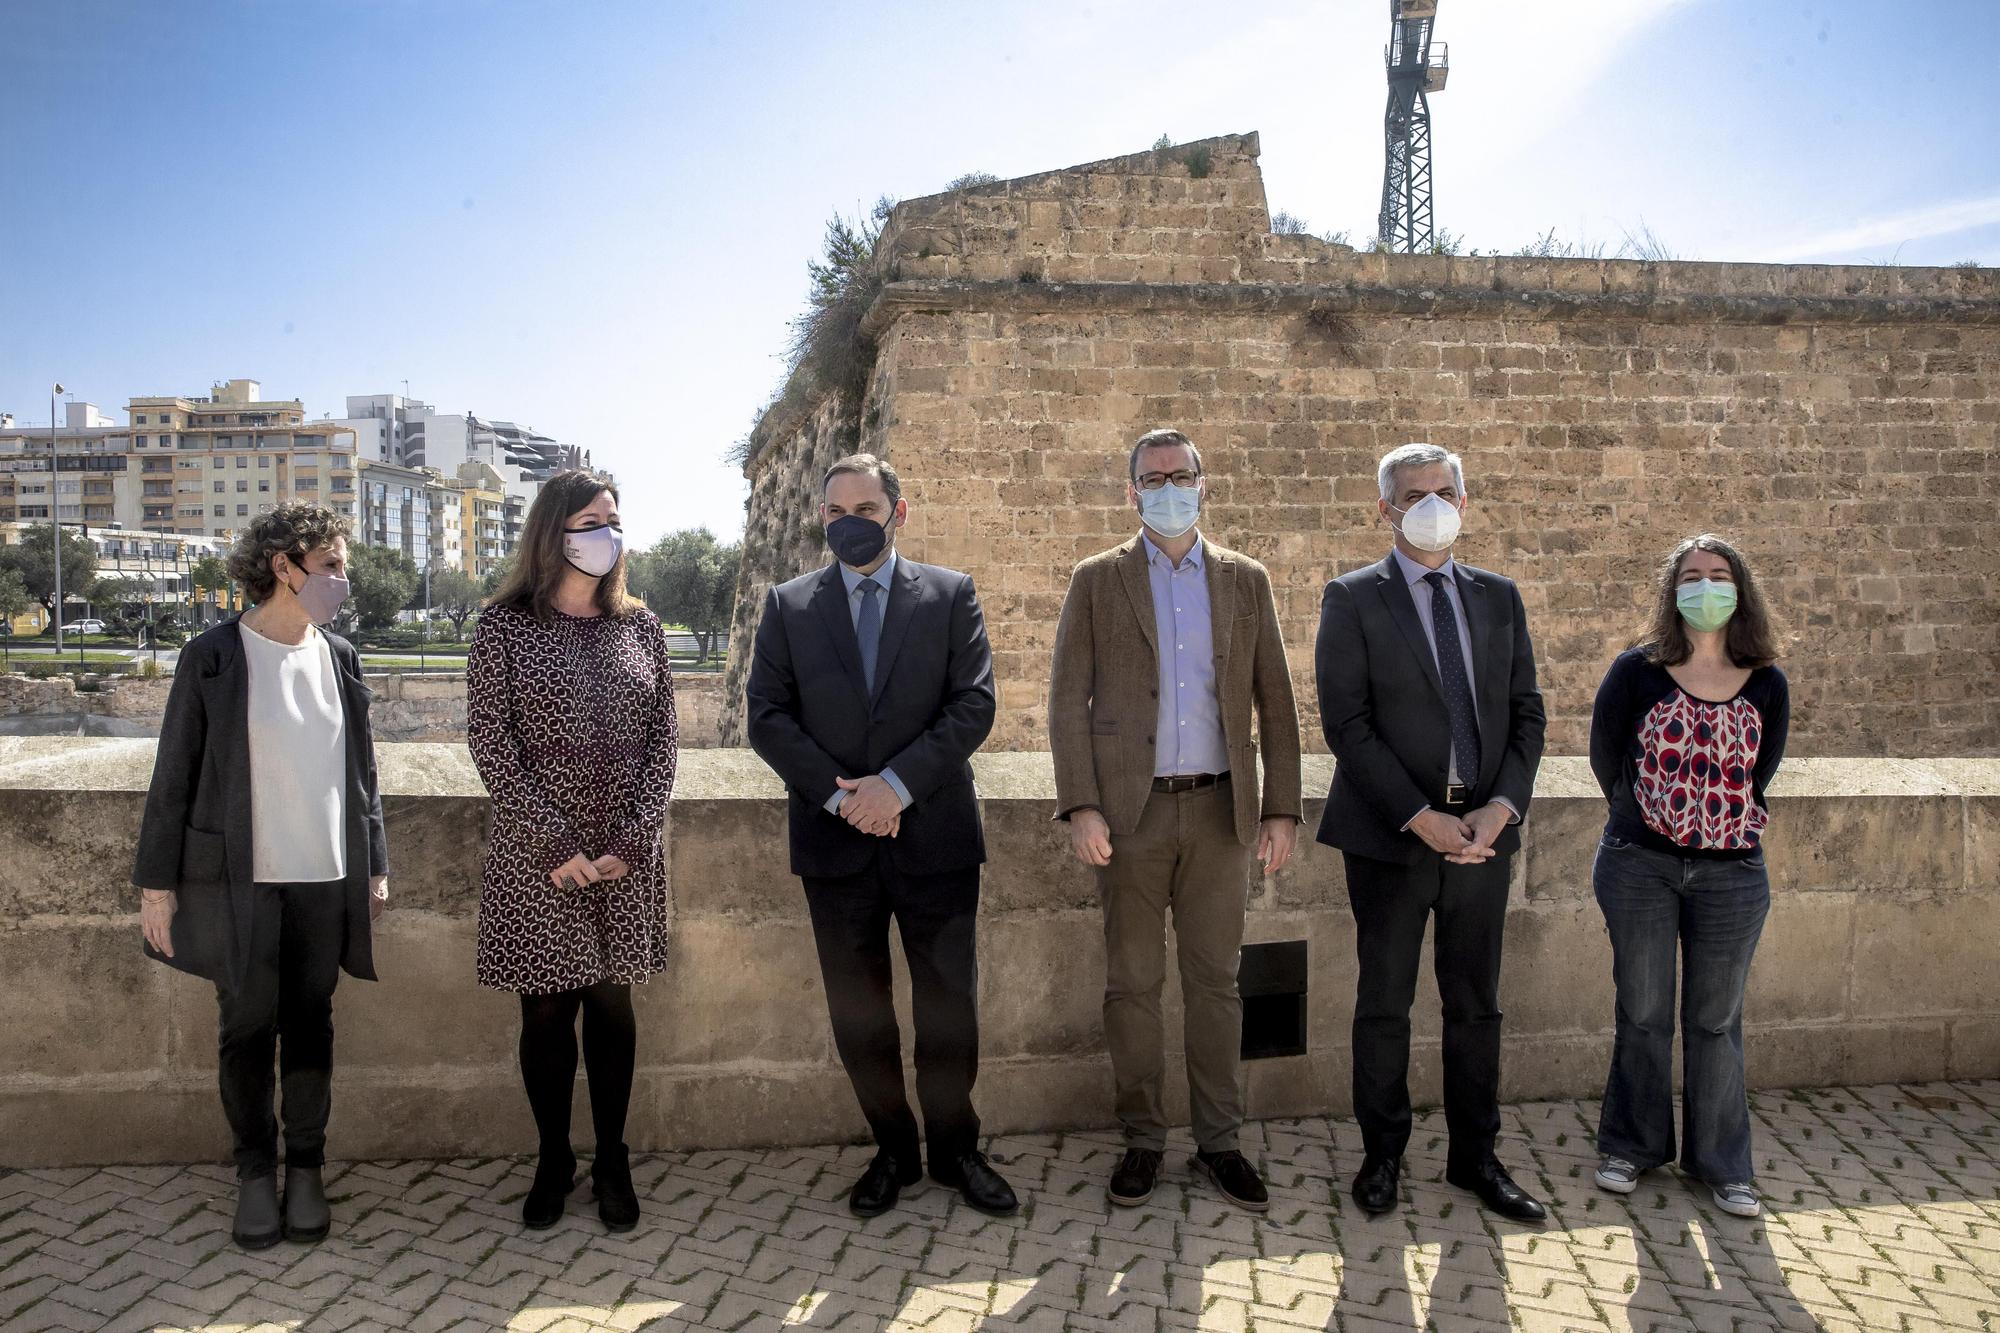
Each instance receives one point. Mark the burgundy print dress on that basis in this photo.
(572, 728)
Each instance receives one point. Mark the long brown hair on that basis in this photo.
(1749, 639)
(539, 564)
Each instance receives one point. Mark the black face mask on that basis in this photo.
(857, 540)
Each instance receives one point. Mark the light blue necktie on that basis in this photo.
(868, 629)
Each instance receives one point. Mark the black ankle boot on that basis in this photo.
(555, 1177)
(611, 1179)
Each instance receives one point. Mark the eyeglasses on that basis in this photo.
(1152, 481)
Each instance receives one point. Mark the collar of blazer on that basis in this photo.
(1219, 570)
(1396, 595)
(830, 601)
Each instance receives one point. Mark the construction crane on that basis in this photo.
(1416, 70)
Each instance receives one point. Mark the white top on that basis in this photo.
(298, 760)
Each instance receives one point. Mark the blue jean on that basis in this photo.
(1711, 913)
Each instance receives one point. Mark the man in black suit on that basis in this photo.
(1427, 694)
(870, 687)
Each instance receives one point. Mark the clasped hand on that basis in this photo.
(1462, 842)
(580, 870)
(871, 805)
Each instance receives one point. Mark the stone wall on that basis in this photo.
(1876, 965)
(409, 706)
(1841, 424)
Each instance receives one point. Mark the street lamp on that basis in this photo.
(55, 512)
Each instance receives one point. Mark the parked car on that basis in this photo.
(85, 626)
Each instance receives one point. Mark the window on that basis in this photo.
(139, 420)
(263, 483)
(218, 510)
(264, 462)
(243, 511)
(218, 462)
(218, 490)
(223, 442)
(138, 442)
(241, 486)
(243, 460)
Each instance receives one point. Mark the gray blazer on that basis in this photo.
(195, 835)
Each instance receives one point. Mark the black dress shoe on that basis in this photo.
(1137, 1174)
(979, 1183)
(881, 1185)
(1376, 1186)
(1497, 1190)
(555, 1177)
(307, 1217)
(1232, 1173)
(611, 1181)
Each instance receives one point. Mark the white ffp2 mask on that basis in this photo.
(1431, 524)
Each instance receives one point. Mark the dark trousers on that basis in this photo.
(1710, 913)
(1391, 904)
(282, 1010)
(937, 915)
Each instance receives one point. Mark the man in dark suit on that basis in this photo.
(870, 686)
(1427, 693)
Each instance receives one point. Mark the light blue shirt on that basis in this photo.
(883, 577)
(1420, 593)
(1189, 726)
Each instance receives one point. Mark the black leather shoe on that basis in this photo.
(1232, 1173)
(611, 1181)
(1497, 1190)
(881, 1185)
(1376, 1187)
(307, 1217)
(258, 1224)
(1137, 1174)
(555, 1177)
(979, 1183)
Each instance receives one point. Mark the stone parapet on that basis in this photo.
(1876, 964)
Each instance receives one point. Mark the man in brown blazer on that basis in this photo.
(1165, 644)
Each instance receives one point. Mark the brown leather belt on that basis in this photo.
(1188, 781)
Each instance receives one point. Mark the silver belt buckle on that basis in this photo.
(1455, 793)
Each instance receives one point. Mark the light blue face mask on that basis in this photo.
(1706, 605)
(1171, 510)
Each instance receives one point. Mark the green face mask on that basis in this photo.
(1706, 605)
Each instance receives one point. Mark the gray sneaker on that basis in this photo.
(1738, 1197)
(1617, 1175)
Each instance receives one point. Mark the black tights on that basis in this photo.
(548, 1061)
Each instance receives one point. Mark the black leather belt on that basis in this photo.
(1188, 781)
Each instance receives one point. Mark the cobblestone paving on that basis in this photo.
(1885, 1214)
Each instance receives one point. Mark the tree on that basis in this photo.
(382, 580)
(688, 578)
(496, 575)
(208, 574)
(32, 558)
(14, 599)
(455, 595)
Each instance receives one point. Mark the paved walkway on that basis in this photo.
(1886, 1216)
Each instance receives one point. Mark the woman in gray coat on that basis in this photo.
(261, 861)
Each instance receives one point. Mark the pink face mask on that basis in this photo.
(321, 596)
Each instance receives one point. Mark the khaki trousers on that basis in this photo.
(1184, 856)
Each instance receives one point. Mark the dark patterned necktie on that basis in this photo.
(1457, 689)
(868, 629)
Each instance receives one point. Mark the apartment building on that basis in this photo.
(207, 466)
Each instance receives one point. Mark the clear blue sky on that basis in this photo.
(594, 218)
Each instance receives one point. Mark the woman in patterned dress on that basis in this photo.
(1688, 730)
(571, 722)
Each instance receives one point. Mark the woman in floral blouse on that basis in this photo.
(571, 722)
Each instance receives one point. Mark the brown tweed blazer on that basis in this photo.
(1104, 689)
